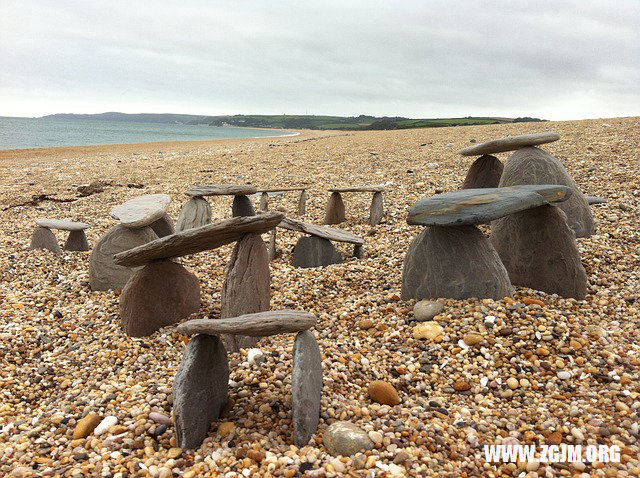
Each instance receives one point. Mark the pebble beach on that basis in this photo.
(534, 369)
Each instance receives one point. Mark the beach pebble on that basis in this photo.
(86, 425)
(346, 439)
(104, 425)
(425, 310)
(428, 330)
(383, 392)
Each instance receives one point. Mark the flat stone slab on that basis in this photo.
(191, 241)
(260, 324)
(478, 206)
(510, 143)
(595, 199)
(62, 224)
(324, 232)
(306, 387)
(283, 190)
(142, 211)
(358, 189)
(222, 190)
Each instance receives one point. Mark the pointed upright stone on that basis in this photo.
(376, 213)
(306, 387)
(485, 172)
(43, 238)
(264, 201)
(77, 241)
(242, 207)
(314, 251)
(302, 203)
(335, 209)
(200, 389)
(195, 213)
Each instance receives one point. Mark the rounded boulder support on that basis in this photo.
(76, 241)
(539, 251)
(453, 262)
(247, 286)
(264, 202)
(335, 210)
(485, 172)
(376, 213)
(163, 226)
(195, 213)
(43, 238)
(306, 387)
(302, 203)
(242, 207)
(161, 293)
(313, 251)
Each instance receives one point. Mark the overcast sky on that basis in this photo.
(550, 59)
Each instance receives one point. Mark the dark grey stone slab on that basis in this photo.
(376, 212)
(195, 213)
(43, 238)
(306, 387)
(315, 251)
(163, 226)
(335, 209)
(510, 143)
(242, 207)
(485, 172)
(76, 241)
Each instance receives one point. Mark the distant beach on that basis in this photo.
(23, 133)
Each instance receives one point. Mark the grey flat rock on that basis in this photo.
(142, 211)
(595, 199)
(358, 189)
(191, 241)
(260, 324)
(510, 143)
(477, 206)
(325, 232)
(314, 251)
(306, 387)
(200, 390)
(62, 224)
(222, 190)
(282, 190)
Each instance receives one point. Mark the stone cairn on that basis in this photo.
(335, 213)
(530, 165)
(302, 199)
(200, 388)
(452, 257)
(197, 212)
(44, 238)
(316, 250)
(139, 218)
(163, 292)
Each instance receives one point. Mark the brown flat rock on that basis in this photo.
(62, 224)
(260, 324)
(222, 190)
(325, 232)
(283, 190)
(191, 241)
(142, 211)
(510, 143)
(358, 189)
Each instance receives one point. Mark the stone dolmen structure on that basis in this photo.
(163, 292)
(531, 165)
(302, 199)
(139, 219)
(197, 211)
(316, 250)
(200, 388)
(335, 213)
(452, 258)
(43, 237)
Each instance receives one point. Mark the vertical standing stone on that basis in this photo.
(358, 251)
(376, 212)
(485, 172)
(163, 226)
(539, 251)
(306, 387)
(335, 210)
(247, 286)
(273, 251)
(264, 202)
(195, 213)
(200, 389)
(77, 241)
(314, 251)
(302, 203)
(242, 207)
(43, 238)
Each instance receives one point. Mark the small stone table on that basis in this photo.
(163, 292)
(451, 257)
(510, 143)
(142, 219)
(317, 250)
(197, 211)
(335, 213)
(302, 200)
(200, 388)
(43, 238)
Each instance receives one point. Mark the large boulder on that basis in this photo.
(485, 172)
(306, 387)
(200, 389)
(314, 251)
(160, 294)
(540, 252)
(195, 213)
(531, 165)
(453, 262)
(247, 286)
(104, 273)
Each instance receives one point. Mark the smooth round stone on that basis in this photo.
(564, 375)
(510, 143)
(346, 439)
(62, 224)
(425, 310)
(142, 211)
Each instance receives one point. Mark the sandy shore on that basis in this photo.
(64, 354)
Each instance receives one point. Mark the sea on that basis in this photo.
(21, 133)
